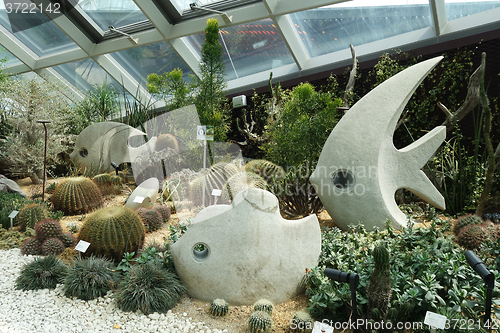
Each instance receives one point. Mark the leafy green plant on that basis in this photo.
(99, 104)
(90, 278)
(42, 273)
(172, 88)
(149, 288)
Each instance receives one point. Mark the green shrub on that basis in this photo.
(42, 273)
(149, 288)
(8, 203)
(90, 278)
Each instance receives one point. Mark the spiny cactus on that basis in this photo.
(113, 231)
(108, 183)
(218, 307)
(48, 228)
(465, 221)
(77, 195)
(216, 178)
(68, 239)
(151, 218)
(379, 289)
(165, 141)
(264, 305)
(302, 322)
(241, 181)
(260, 322)
(30, 215)
(266, 169)
(103, 178)
(164, 211)
(115, 180)
(31, 246)
(52, 246)
(472, 236)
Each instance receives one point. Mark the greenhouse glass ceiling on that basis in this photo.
(83, 43)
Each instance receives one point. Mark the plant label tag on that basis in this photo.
(435, 320)
(139, 199)
(13, 214)
(205, 133)
(216, 192)
(322, 328)
(82, 246)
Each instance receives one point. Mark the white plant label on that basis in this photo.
(139, 199)
(216, 192)
(13, 214)
(82, 246)
(322, 328)
(435, 320)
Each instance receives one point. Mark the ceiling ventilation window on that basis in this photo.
(249, 48)
(456, 9)
(116, 13)
(184, 4)
(333, 28)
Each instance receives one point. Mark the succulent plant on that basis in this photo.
(68, 239)
(216, 178)
(302, 322)
(379, 289)
(50, 188)
(103, 178)
(116, 180)
(264, 305)
(218, 307)
(30, 215)
(31, 246)
(73, 227)
(108, 184)
(472, 236)
(48, 228)
(266, 169)
(113, 231)
(42, 273)
(52, 246)
(260, 322)
(76, 195)
(165, 141)
(164, 211)
(465, 221)
(241, 181)
(151, 218)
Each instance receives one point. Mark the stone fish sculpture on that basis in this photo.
(359, 169)
(102, 143)
(250, 252)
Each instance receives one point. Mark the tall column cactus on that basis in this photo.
(379, 289)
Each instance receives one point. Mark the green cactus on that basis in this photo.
(379, 289)
(260, 322)
(302, 322)
(165, 141)
(465, 221)
(76, 195)
(218, 308)
(264, 305)
(103, 178)
(216, 178)
(113, 231)
(266, 169)
(48, 228)
(241, 181)
(31, 246)
(115, 180)
(52, 246)
(472, 236)
(68, 239)
(30, 215)
(164, 211)
(108, 184)
(151, 219)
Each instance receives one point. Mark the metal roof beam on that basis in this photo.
(183, 48)
(438, 12)
(292, 40)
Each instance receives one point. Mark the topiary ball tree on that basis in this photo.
(76, 195)
(113, 231)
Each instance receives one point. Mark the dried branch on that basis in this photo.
(352, 78)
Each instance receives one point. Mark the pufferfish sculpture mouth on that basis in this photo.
(359, 169)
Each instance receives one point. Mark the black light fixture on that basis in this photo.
(353, 280)
(488, 277)
(114, 165)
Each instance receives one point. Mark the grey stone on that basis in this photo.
(359, 169)
(7, 185)
(144, 195)
(251, 251)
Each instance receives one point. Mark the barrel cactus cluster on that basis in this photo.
(218, 307)
(108, 184)
(471, 231)
(49, 239)
(76, 195)
(113, 231)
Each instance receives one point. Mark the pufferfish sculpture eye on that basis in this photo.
(359, 169)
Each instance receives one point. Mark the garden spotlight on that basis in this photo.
(353, 280)
(489, 278)
(114, 165)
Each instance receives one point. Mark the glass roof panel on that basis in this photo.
(456, 9)
(249, 48)
(9, 58)
(333, 28)
(36, 31)
(184, 4)
(117, 13)
(153, 58)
